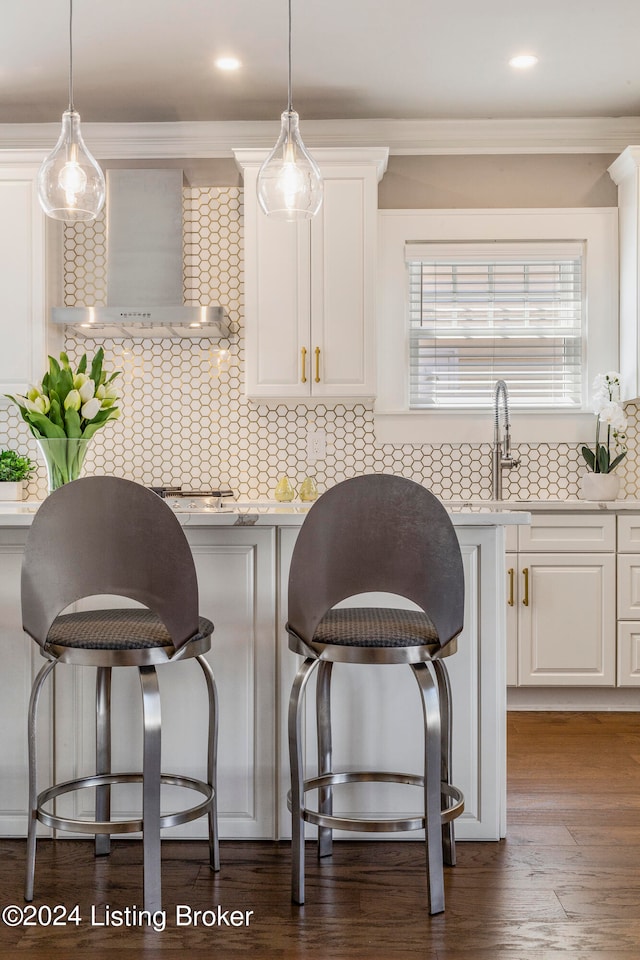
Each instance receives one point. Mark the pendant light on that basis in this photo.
(289, 181)
(70, 183)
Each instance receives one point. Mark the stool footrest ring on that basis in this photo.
(121, 826)
(391, 825)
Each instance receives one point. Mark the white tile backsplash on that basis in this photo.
(185, 419)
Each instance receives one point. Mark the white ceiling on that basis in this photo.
(152, 60)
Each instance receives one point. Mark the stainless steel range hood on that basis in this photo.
(144, 265)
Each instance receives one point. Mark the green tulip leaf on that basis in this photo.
(54, 413)
(48, 429)
(72, 423)
(65, 384)
(96, 367)
(82, 366)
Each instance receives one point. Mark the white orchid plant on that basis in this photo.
(606, 456)
(67, 404)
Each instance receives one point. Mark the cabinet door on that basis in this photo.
(310, 287)
(277, 302)
(566, 620)
(22, 280)
(343, 237)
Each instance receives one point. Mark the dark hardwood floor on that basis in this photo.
(564, 884)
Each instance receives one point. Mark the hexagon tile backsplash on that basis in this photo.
(185, 419)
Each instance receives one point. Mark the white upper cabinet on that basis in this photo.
(310, 286)
(23, 307)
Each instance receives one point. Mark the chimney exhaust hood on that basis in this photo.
(144, 265)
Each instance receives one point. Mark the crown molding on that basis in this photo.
(376, 157)
(196, 140)
(627, 164)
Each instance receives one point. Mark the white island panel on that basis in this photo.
(242, 556)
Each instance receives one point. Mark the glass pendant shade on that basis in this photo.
(71, 185)
(289, 180)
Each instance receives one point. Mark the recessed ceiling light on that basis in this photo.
(228, 63)
(523, 61)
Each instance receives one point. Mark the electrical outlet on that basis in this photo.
(316, 445)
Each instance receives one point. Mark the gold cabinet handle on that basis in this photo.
(303, 378)
(525, 599)
(510, 572)
(317, 353)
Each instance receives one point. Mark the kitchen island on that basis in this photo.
(242, 553)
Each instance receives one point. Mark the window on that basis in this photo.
(478, 313)
(468, 297)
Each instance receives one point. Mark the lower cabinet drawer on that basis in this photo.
(629, 586)
(629, 653)
(569, 533)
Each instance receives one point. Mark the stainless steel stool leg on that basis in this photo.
(432, 749)
(212, 762)
(296, 703)
(33, 789)
(323, 727)
(444, 696)
(103, 755)
(151, 789)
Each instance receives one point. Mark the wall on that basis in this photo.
(498, 180)
(185, 419)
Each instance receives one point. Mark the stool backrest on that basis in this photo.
(377, 533)
(106, 535)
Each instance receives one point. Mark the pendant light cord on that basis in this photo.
(71, 107)
(290, 105)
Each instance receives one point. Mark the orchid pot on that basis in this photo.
(599, 486)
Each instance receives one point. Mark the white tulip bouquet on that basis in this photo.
(68, 404)
(606, 406)
(66, 409)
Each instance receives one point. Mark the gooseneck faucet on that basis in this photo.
(502, 458)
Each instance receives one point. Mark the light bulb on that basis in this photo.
(289, 181)
(71, 185)
(73, 180)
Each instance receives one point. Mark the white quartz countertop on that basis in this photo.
(270, 513)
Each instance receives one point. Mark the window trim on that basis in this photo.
(597, 227)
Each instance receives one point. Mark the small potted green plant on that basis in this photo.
(14, 469)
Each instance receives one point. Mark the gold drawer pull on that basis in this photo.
(510, 572)
(525, 599)
(303, 378)
(317, 353)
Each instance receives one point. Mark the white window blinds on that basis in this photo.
(483, 312)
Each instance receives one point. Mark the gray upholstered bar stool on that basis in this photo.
(376, 533)
(98, 536)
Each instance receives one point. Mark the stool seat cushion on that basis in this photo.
(121, 629)
(375, 627)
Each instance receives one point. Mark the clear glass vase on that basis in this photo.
(64, 458)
